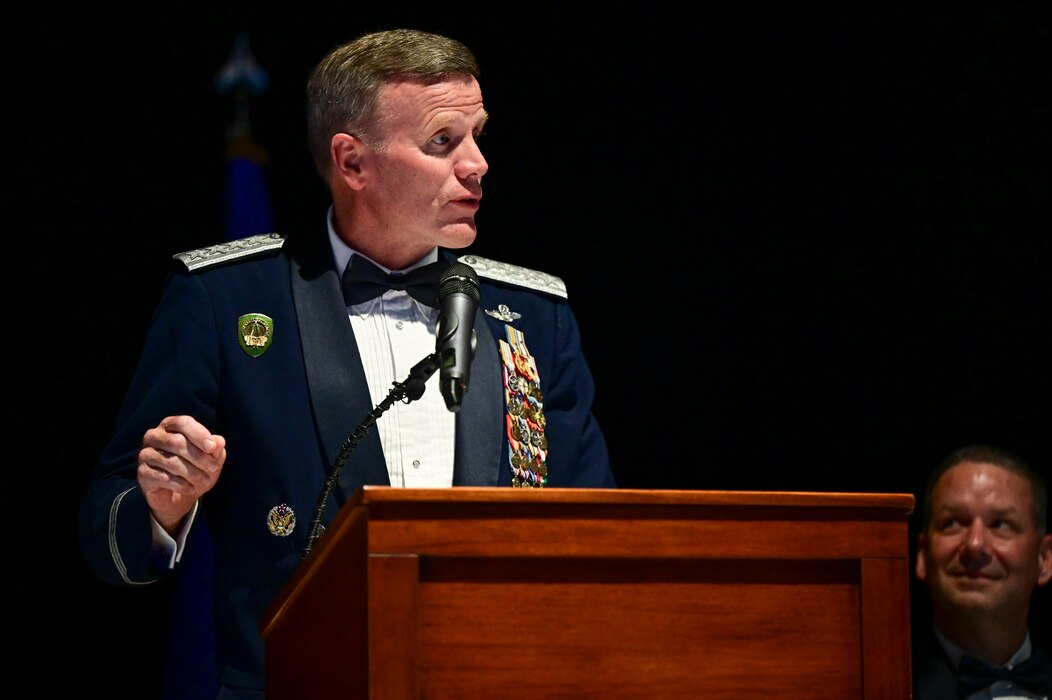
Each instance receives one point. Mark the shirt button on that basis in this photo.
(398, 325)
(416, 464)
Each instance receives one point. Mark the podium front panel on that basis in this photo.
(603, 594)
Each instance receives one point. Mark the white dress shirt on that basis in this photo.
(394, 332)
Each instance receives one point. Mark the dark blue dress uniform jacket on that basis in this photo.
(287, 413)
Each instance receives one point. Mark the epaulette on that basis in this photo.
(225, 252)
(513, 274)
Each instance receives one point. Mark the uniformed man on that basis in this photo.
(265, 354)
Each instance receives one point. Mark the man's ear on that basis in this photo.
(348, 155)
(1044, 560)
(919, 567)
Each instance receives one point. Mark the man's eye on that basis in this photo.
(440, 140)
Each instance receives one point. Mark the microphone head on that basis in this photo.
(459, 278)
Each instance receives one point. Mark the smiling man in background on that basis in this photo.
(982, 551)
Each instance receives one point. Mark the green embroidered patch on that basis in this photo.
(255, 333)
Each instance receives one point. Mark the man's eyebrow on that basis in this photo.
(953, 508)
(441, 122)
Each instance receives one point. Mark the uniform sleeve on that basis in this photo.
(177, 373)
(578, 455)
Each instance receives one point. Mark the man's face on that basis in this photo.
(981, 552)
(429, 172)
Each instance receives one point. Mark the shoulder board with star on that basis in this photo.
(515, 275)
(232, 250)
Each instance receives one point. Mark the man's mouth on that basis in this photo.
(975, 579)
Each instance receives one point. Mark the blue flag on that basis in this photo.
(248, 210)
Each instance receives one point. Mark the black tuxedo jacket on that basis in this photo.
(934, 677)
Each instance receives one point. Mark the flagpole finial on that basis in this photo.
(243, 76)
(241, 71)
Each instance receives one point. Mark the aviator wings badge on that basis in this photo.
(503, 313)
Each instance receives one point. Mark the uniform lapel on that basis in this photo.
(480, 420)
(338, 388)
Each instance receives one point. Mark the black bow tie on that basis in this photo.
(974, 675)
(363, 281)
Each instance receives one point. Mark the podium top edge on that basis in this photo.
(623, 496)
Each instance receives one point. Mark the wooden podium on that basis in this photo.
(497, 593)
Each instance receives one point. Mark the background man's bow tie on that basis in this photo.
(974, 675)
(362, 281)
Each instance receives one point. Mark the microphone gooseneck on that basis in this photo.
(409, 390)
(458, 300)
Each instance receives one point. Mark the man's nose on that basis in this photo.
(472, 163)
(977, 542)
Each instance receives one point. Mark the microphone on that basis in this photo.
(458, 300)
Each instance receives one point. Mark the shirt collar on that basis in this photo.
(955, 652)
(341, 252)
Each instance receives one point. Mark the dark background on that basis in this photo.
(808, 250)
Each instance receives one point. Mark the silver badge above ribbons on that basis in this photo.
(503, 313)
